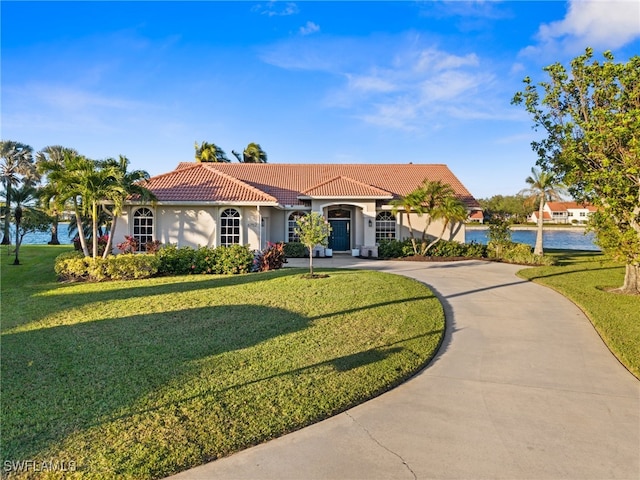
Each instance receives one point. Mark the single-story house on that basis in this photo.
(564, 212)
(212, 204)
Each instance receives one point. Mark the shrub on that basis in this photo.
(174, 260)
(393, 248)
(152, 247)
(70, 266)
(102, 244)
(130, 245)
(75, 267)
(271, 258)
(235, 259)
(519, 253)
(295, 250)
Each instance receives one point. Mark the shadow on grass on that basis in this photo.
(55, 298)
(67, 378)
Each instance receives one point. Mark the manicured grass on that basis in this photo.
(585, 278)
(142, 379)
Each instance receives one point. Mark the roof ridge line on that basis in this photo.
(239, 182)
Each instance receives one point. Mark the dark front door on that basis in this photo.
(339, 238)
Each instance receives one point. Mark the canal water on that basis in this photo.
(569, 238)
(565, 238)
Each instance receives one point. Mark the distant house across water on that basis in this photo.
(565, 213)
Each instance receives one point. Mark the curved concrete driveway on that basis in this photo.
(523, 388)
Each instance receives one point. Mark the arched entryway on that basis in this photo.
(340, 220)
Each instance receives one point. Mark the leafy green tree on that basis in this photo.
(313, 230)
(543, 187)
(590, 115)
(131, 185)
(252, 154)
(47, 158)
(511, 208)
(210, 152)
(16, 165)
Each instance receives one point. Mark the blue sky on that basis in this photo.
(311, 82)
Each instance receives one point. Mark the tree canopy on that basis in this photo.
(590, 117)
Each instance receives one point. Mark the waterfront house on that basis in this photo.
(212, 204)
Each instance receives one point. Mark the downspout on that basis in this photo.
(259, 229)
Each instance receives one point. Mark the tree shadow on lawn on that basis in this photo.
(60, 379)
(70, 378)
(62, 297)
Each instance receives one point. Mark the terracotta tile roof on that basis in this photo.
(477, 214)
(284, 183)
(564, 206)
(344, 187)
(200, 182)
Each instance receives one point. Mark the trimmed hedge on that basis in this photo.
(295, 250)
(74, 266)
(168, 260)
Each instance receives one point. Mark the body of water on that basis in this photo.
(42, 238)
(569, 239)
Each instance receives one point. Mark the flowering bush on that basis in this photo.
(271, 258)
(130, 245)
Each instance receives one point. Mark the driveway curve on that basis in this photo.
(522, 388)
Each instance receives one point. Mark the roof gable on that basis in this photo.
(344, 187)
(202, 183)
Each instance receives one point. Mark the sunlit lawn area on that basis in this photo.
(585, 278)
(142, 379)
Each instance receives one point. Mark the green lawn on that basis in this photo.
(585, 278)
(142, 379)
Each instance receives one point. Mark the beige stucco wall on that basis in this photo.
(194, 226)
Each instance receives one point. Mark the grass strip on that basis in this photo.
(587, 278)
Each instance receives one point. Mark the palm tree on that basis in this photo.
(252, 154)
(16, 165)
(131, 184)
(77, 180)
(412, 202)
(543, 187)
(21, 197)
(210, 152)
(46, 159)
(450, 211)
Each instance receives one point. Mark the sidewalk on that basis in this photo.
(522, 388)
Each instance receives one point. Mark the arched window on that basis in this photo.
(143, 227)
(291, 223)
(229, 227)
(385, 226)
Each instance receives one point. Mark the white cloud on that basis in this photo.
(309, 28)
(594, 23)
(276, 9)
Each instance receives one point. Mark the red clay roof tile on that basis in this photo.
(284, 183)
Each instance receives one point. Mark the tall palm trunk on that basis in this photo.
(6, 235)
(83, 240)
(54, 231)
(538, 247)
(107, 249)
(94, 228)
